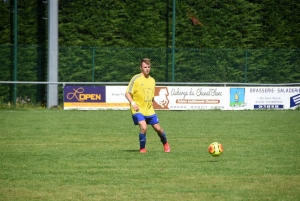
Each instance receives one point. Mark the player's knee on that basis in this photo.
(143, 130)
(159, 131)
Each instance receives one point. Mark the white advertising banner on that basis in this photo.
(226, 98)
(185, 98)
(191, 98)
(272, 97)
(116, 95)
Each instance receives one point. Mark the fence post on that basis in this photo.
(93, 64)
(15, 50)
(173, 40)
(246, 63)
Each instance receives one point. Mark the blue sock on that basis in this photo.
(163, 138)
(142, 138)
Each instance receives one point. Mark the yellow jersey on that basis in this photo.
(142, 93)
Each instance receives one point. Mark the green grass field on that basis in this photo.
(93, 155)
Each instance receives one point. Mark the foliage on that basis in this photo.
(103, 41)
(245, 24)
(110, 64)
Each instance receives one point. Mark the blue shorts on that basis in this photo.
(149, 119)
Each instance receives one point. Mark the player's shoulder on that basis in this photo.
(137, 76)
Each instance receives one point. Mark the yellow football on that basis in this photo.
(215, 149)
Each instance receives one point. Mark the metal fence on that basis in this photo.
(107, 64)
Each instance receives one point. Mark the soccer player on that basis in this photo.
(140, 94)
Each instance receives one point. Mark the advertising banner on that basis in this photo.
(272, 97)
(185, 98)
(191, 98)
(95, 98)
(226, 98)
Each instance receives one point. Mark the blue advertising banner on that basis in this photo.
(84, 94)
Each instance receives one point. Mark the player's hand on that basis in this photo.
(135, 107)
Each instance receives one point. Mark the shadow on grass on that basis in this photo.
(130, 150)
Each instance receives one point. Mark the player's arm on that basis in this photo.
(128, 97)
(132, 103)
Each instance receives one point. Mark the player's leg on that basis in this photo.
(163, 137)
(153, 121)
(142, 135)
(139, 119)
(160, 132)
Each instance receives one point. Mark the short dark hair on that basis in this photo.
(146, 60)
